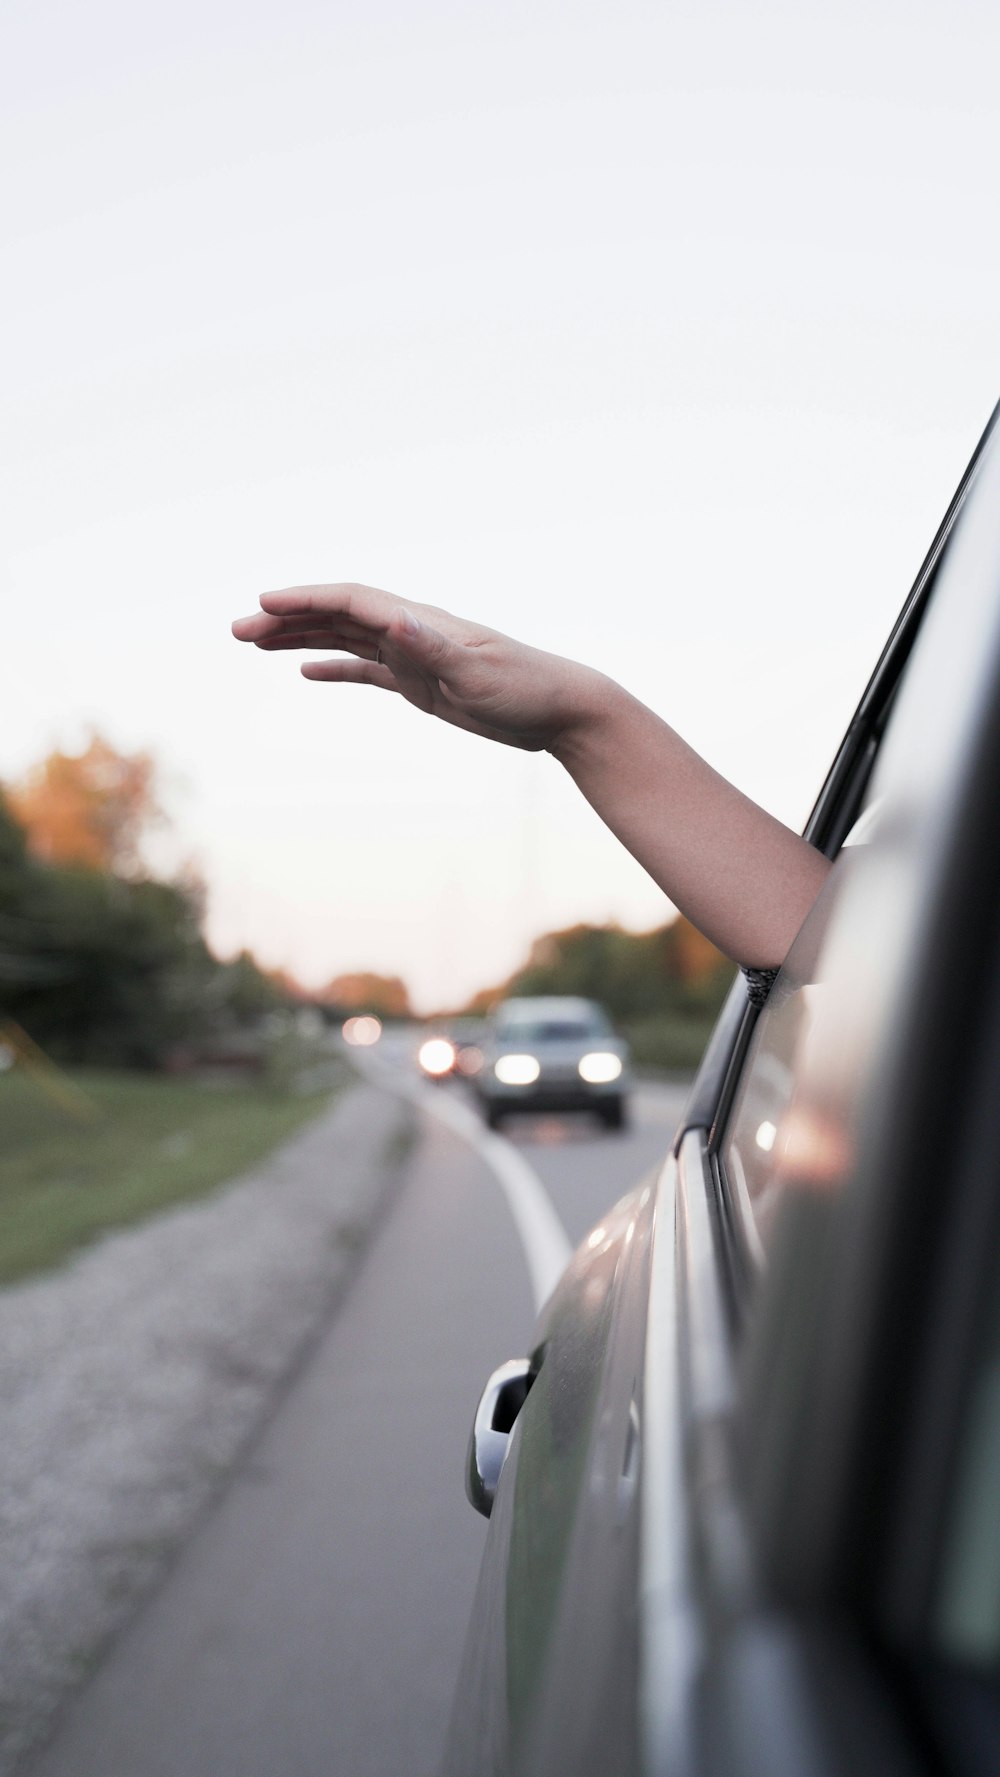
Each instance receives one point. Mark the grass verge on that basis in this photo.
(115, 1147)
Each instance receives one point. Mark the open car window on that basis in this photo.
(837, 1003)
(769, 1134)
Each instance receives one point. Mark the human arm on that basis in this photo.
(739, 875)
(744, 879)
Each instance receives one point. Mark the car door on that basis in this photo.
(742, 1524)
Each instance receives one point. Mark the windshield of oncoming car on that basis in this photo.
(552, 1030)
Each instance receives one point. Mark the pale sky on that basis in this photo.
(655, 334)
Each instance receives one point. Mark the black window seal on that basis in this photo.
(870, 715)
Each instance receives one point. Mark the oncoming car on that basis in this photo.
(743, 1485)
(436, 1057)
(553, 1054)
(453, 1053)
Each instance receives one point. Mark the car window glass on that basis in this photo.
(968, 1613)
(769, 1129)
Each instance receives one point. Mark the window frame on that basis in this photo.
(833, 815)
(851, 1468)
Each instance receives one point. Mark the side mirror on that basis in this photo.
(502, 1399)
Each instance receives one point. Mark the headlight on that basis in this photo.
(436, 1057)
(516, 1070)
(599, 1068)
(362, 1032)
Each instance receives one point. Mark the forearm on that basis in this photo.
(738, 874)
(741, 877)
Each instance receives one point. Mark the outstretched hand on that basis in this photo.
(738, 874)
(470, 676)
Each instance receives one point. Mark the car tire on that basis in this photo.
(494, 1116)
(613, 1114)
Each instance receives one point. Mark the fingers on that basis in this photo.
(436, 661)
(247, 629)
(343, 614)
(261, 627)
(366, 647)
(345, 604)
(366, 604)
(358, 619)
(350, 672)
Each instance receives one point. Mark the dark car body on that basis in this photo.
(745, 1483)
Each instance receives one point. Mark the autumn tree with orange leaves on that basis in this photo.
(365, 991)
(89, 809)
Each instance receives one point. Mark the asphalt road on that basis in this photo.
(314, 1622)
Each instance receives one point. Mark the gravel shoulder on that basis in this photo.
(131, 1380)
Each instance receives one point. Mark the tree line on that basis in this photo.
(663, 988)
(103, 963)
(635, 975)
(99, 961)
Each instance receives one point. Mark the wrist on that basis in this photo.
(599, 705)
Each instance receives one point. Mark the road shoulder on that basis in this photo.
(131, 1380)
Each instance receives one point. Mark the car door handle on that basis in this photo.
(502, 1399)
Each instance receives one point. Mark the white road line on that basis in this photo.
(546, 1245)
(547, 1249)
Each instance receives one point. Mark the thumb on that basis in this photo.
(427, 648)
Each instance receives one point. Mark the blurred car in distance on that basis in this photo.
(452, 1050)
(362, 1031)
(436, 1057)
(553, 1053)
(468, 1036)
(743, 1487)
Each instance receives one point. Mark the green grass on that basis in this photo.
(68, 1173)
